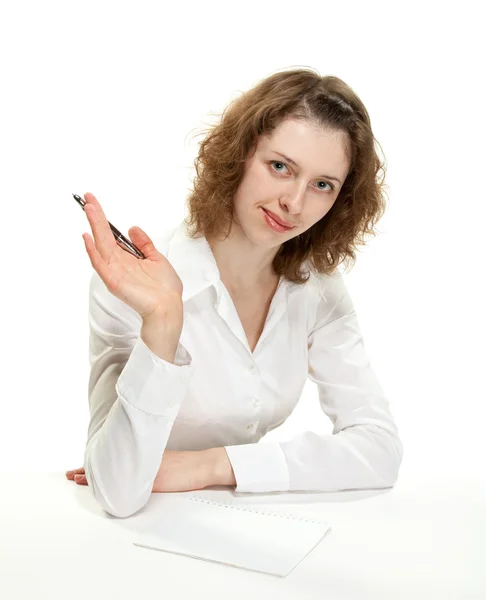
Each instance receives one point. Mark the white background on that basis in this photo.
(108, 97)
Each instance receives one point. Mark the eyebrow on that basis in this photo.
(292, 162)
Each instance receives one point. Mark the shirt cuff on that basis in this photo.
(259, 467)
(152, 384)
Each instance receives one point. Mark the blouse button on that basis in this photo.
(250, 426)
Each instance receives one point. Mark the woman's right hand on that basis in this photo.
(150, 286)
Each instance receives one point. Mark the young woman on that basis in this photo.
(201, 348)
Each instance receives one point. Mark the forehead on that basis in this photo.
(296, 131)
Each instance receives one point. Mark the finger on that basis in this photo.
(102, 234)
(81, 479)
(142, 241)
(73, 472)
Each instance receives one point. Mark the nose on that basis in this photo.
(293, 198)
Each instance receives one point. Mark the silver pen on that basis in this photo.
(122, 241)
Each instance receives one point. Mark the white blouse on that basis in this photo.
(219, 393)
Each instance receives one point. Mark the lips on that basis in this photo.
(279, 221)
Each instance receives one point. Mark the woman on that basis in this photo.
(204, 346)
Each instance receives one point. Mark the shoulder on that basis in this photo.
(328, 296)
(329, 288)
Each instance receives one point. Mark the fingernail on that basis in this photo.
(77, 476)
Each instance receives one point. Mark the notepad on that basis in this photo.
(237, 535)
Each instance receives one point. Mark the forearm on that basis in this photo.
(161, 333)
(186, 470)
(218, 467)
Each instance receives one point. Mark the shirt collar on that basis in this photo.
(196, 266)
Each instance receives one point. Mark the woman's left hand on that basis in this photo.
(180, 471)
(77, 475)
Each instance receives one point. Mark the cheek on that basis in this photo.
(254, 189)
(316, 215)
(322, 212)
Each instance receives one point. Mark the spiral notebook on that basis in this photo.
(237, 535)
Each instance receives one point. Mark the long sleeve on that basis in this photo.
(134, 398)
(364, 449)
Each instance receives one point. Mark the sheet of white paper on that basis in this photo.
(233, 534)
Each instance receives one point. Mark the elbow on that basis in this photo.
(117, 504)
(113, 498)
(383, 456)
(393, 455)
(118, 509)
(121, 512)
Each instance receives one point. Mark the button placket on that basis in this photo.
(251, 427)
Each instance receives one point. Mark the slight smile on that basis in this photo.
(276, 221)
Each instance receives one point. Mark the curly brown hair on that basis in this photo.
(325, 102)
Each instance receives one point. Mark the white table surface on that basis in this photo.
(420, 539)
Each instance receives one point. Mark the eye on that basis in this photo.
(279, 162)
(329, 184)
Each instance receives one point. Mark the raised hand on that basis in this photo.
(149, 286)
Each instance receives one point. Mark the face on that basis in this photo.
(299, 194)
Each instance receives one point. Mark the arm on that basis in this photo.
(135, 392)
(217, 467)
(182, 471)
(364, 450)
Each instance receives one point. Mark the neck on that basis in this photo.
(242, 264)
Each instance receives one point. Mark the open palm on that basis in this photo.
(147, 285)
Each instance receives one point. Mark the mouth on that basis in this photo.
(274, 225)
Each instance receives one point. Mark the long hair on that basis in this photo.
(326, 102)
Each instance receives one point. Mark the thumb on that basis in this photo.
(142, 241)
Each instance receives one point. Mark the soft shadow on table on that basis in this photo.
(84, 497)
